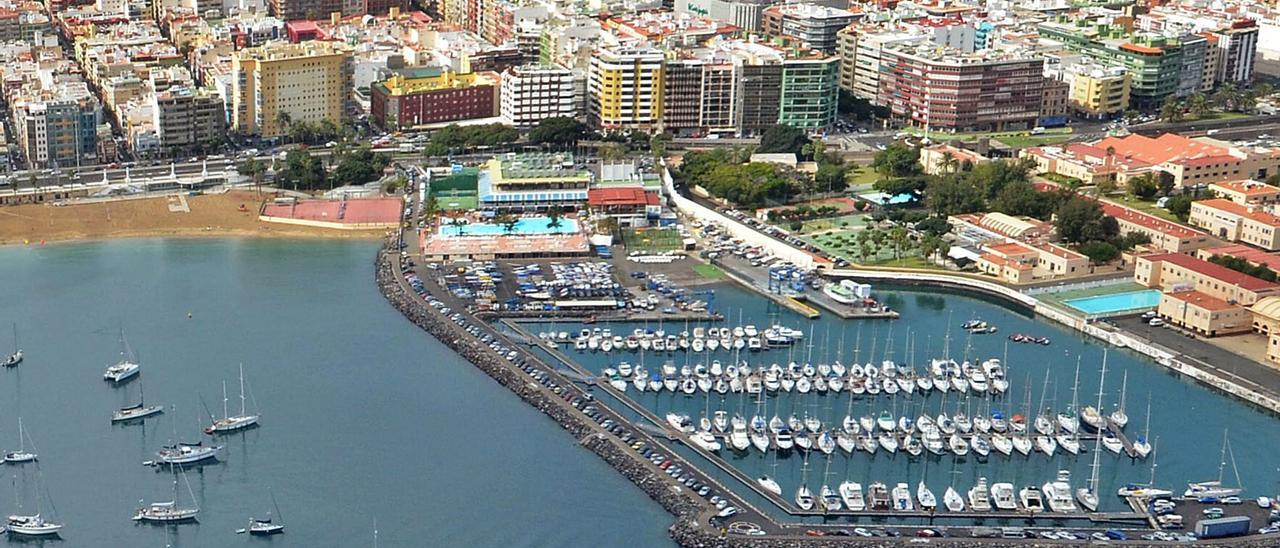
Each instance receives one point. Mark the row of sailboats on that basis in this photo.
(1053, 496)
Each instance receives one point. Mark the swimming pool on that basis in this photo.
(1116, 302)
(525, 226)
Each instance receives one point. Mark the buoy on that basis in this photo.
(26, 242)
(188, 315)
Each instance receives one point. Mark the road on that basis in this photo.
(1204, 355)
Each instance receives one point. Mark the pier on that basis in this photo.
(789, 302)
(848, 312)
(1124, 440)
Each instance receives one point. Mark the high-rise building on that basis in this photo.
(1156, 62)
(185, 117)
(423, 96)
(278, 84)
(860, 53)
(533, 93)
(989, 90)
(290, 10)
(1238, 45)
(814, 25)
(57, 126)
(809, 93)
(625, 88)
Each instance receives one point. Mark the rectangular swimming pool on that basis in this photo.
(1116, 302)
(525, 226)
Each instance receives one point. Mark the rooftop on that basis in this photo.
(1169, 147)
(620, 196)
(1212, 270)
(1201, 300)
(1222, 204)
(1247, 187)
(1149, 221)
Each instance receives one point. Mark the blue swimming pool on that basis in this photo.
(1116, 302)
(525, 226)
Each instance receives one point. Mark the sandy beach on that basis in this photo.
(213, 215)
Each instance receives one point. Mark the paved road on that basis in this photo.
(1205, 355)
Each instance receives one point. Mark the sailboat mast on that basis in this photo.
(224, 400)
(242, 390)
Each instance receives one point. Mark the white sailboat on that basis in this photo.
(169, 511)
(1198, 490)
(16, 357)
(21, 455)
(952, 500)
(928, 502)
(268, 525)
(124, 369)
(804, 498)
(33, 525)
(769, 485)
(136, 412)
(184, 452)
(1119, 417)
(1087, 496)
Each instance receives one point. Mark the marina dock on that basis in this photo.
(787, 301)
(848, 312)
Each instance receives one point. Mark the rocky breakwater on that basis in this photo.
(678, 501)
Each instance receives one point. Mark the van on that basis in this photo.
(1012, 532)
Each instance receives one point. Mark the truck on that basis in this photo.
(1223, 527)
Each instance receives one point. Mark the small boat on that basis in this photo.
(902, 498)
(35, 526)
(958, 445)
(1030, 499)
(169, 511)
(886, 422)
(706, 440)
(1112, 442)
(1001, 443)
(16, 357)
(1046, 445)
(912, 445)
(804, 499)
(851, 494)
(680, 422)
(1058, 493)
(267, 526)
(952, 500)
(1068, 443)
(187, 453)
(720, 421)
(21, 455)
(980, 496)
(769, 485)
(124, 369)
(739, 440)
(1022, 444)
(888, 442)
(1002, 496)
(830, 499)
(928, 502)
(980, 445)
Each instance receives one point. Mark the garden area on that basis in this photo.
(651, 240)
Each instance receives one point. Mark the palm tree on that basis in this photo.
(554, 216)
(948, 162)
(1198, 105)
(1171, 111)
(284, 120)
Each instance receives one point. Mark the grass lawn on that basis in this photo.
(1061, 133)
(708, 271)
(907, 261)
(1024, 141)
(1216, 116)
(816, 225)
(1147, 207)
(651, 240)
(862, 177)
(456, 203)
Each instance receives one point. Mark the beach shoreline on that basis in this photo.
(226, 215)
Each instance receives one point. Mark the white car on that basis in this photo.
(1155, 322)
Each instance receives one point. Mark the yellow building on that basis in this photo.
(1246, 192)
(1203, 313)
(307, 82)
(1099, 92)
(1237, 223)
(625, 88)
(1179, 272)
(1266, 320)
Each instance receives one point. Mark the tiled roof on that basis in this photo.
(1215, 271)
(1233, 208)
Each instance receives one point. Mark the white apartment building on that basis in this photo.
(533, 93)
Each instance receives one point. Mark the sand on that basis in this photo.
(212, 215)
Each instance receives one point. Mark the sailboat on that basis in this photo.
(232, 423)
(1087, 496)
(169, 511)
(266, 526)
(21, 455)
(1142, 445)
(1149, 490)
(124, 369)
(1119, 417)
(184, 452)
(928, 502)
(34, 525)
(138, 411)
(16, 357)
(1215, 488)
(804, 498)
(952, 500)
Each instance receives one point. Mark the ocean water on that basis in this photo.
(1187, 421)
(365, 418)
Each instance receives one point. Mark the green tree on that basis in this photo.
(358, 167)
(507, 221)
(1198, 105)
(555, 216)
(1080, 220)
(897, 160)
(952, 195)
(1099, 252)
(1143, 186)
(1179, 206)
(1022, 198)
(558, 130)
(782, 138)
(1171, 110)
(899, 240)
(931, 245)
(303, 171)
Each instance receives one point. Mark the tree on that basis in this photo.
(952, 194)
(931, 245)
(1164, 182)
(507, 221)
(1179, 206)
(284, 119)
(1022, 198)
(897, 160)
(1171, 110)
(949, 162)
(358, 167)
(782, 138)
(555, 217)
(1143, 187)
(658, 145)
(303, 171)
(612, 151)
(1081, 220)
(1198, 105)
(933, 226)
(901, 185)
(253, 168)
(898, 238)
(1099, 252)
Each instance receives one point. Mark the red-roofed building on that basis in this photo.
(1165, 235)
(1252, 254)
(1246, 192)
(1237, 223)
(1203, 313)
(1190, 162)
(301, 30)
(631, 206)
(1179, 272)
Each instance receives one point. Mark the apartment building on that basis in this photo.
(187, 117)
(625, 88)
(814, 25)
(1246, 192)
(281, 83)
(1165, 235)
(1180, 272)
(424, 96)
(809, 93)
(56, 126)
(1156, 62)
(1098, 91)
(1235, 222)
(861, 48)
(988, 90)
(533, 93)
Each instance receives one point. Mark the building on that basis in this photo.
(1265, 316)
(1010, 262)
(809, 94)
(1156, 62)
(57, 126)
(989, 90)
(1203, 313)
(1005, 226)
(1099, 91)
(1246, 192)
(1180, 272)
(419, 97)
(940, 159)
(188, 118)
(280, 83)
(861, 48)
(532, 182)
(1054, 103)
(1165, 235)
(1237, 223)
(1189, 162)
(814, 25)
(1238, 49)
(625, 88)
(631, 207)
(533, 93)
(290, 10)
